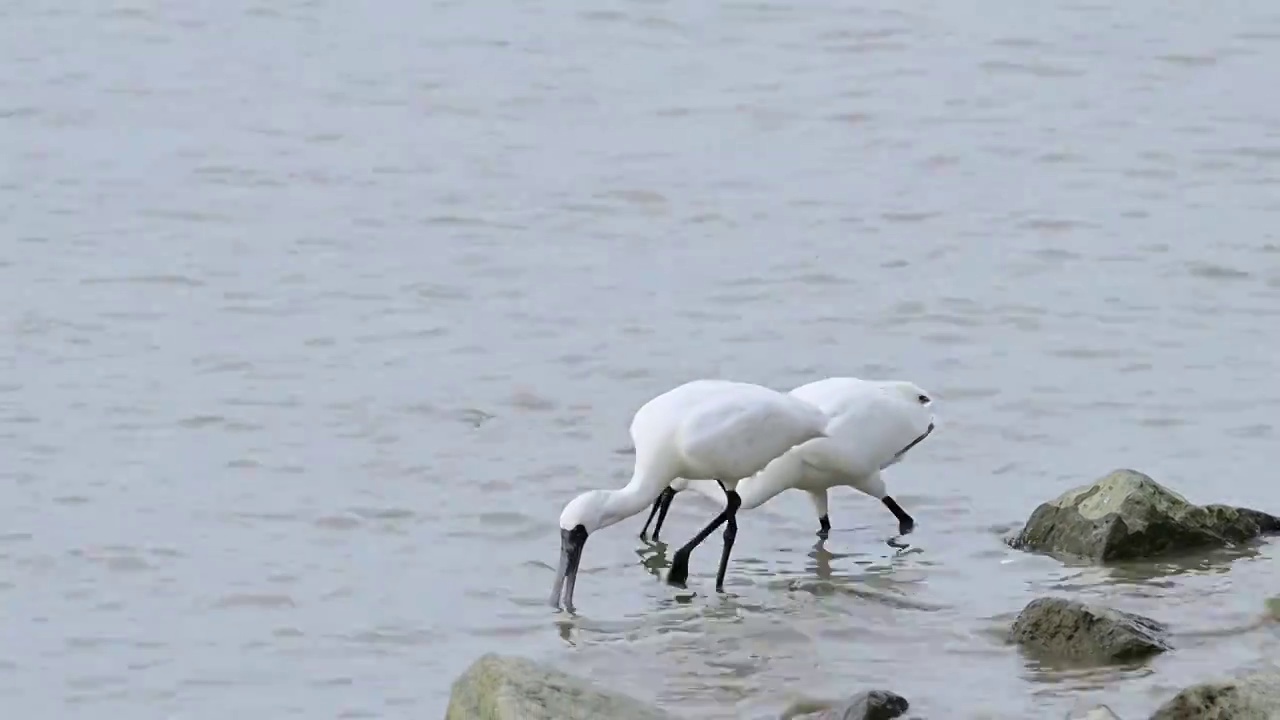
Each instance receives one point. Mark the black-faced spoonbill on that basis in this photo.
(719, 431)
(872, 425)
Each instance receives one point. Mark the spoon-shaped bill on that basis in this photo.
(571, 544)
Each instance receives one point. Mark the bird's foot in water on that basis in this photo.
(904, 528)
(905, 522)
(678, 575)
(824, 527)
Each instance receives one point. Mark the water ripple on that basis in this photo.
(382, 314)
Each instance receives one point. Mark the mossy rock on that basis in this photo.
(1251, 697)
(1128, 516)
(870, 705)
(498, 687)
(1072, 630)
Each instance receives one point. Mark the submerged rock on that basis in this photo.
(1128, 516)
(498, 687)
(1073, 630)
(1251, 697)
(1271, 612)
(871, 705)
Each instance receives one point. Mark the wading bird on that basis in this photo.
(872, 425)
(719, 431)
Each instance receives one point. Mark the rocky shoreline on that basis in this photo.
(1125, 515)
(503, 687)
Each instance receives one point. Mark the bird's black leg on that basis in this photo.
(660, 507)
(730, 532)
(667, 496)
(824, 527)
(905, 523)
(644, 531)
(679, 572)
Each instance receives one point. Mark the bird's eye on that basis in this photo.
(924, 399)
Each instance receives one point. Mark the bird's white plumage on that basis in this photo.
(736, 434)
(704, 429)
(869, 425)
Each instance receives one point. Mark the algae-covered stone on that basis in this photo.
(1271, 610)
(871, 705)
(1073, 630)
(498, 687)
(1251, 697)
(1128, 516)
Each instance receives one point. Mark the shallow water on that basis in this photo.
(301, 301)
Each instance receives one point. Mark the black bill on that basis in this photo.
(914, 443)
(571, 544)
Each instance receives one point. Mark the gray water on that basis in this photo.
(316, 313)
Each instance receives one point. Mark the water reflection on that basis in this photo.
(1078, 675)
(1161, 574)
(653, 557)
(376, 326)
(821, 566)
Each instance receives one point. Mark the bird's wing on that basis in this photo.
(864, 432)
(736, 434)
(837, 395)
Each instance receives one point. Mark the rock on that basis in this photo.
(1251, 697)
(498, 687)
(1271, 610)
(871, 705)
(1127, 515)
(1073, 630)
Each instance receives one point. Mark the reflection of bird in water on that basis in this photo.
(872, 425)
(822, 558)
(713, 430)
(654, 558)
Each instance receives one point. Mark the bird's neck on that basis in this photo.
(872, 485)
(777, 476)
(645, 486)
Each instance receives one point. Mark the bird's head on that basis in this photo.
(582, 516)
(590, 510)
(914, 416)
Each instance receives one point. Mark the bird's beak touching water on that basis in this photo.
(571, 544)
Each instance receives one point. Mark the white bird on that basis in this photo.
(712, 430)
(872, 426)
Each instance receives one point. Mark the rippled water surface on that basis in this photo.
(316, 313)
